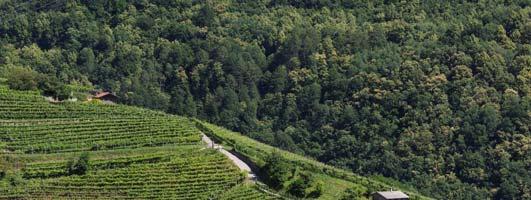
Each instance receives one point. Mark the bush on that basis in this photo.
(354, 193)
(79, 166)
(317, 189)
(51, 86)
(14, 179)
(305, 186)
(298, 188)
(276, 170)
(20, 78)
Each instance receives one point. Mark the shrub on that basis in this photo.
(305, 185)
(51, 86)
(22, 79)
(276, 170)
(298, 188)
(354, 193)
(79, 166)
(14, 179)
(317, 189)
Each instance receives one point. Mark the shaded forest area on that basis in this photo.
(436, 94)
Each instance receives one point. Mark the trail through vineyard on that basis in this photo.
(251, 176)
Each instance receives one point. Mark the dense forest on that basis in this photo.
(436, 94)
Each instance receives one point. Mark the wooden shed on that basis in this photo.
(390, 195)
(106, 97)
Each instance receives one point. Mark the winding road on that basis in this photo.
(238, 162)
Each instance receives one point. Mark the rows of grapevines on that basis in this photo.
(191, 174)
(246, 192)
(30, 105)
(79, 135)
(29, 124)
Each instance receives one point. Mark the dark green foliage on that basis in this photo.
(316, 189)
(51, 86)
(305, 186)
(277, 170)
(297, 188)
(206, 15)
(432, 93)
(86, 61)
(515, 181)
(15, 179)
(78, 166)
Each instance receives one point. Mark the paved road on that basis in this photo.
(239, 163)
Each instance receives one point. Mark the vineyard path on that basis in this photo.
(238, 162)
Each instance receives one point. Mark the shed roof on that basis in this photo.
(102, 94)
(393, 195)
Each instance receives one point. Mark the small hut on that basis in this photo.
(106, 97)
(390, 195)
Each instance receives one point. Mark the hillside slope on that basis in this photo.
(91, 151)
(336, 181)
(86, 150)
(435, 94)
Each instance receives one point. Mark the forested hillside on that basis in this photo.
(432, 93)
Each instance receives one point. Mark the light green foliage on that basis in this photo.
(22, 79)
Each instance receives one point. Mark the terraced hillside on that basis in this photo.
(96, 151)
(75, 150)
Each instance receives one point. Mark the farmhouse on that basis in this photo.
(390, 195)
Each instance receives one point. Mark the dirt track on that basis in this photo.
(238, 162)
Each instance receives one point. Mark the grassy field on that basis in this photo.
(96, 151)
